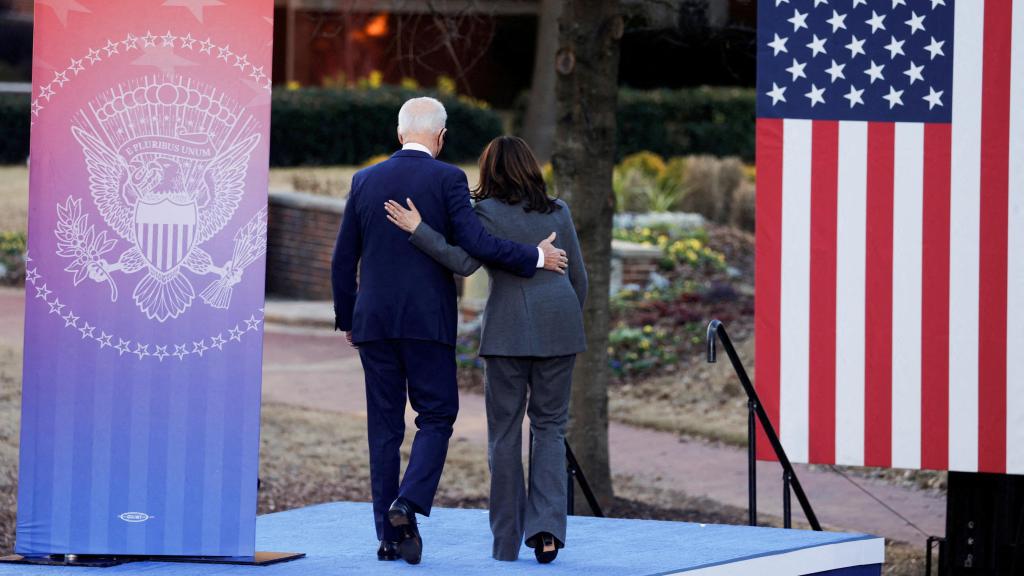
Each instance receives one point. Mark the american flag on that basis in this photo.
(890, 232)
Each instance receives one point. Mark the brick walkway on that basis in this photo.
(312, 367)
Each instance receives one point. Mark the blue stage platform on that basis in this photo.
(338, 539)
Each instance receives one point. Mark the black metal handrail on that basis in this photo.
(575, 472)
(716, 331)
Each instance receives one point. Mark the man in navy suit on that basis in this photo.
(401, 314)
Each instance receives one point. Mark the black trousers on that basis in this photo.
(424, 373)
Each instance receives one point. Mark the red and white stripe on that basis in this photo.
(890, 272)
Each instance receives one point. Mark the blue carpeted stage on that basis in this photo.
(338, 539)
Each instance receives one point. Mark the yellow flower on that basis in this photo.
(662, 240)
(648, 329)
(410, 83)
(646, 231)
(445, 84)
(376, 78)
(645, 344)
(293, 85)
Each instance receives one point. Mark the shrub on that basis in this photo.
(316, 126)
(643, 183)
(720, 189)
(12, 257)
(744, 206)
(15, 116)
(716, 121)
(717, 188)
(324, 126)
(706, 120)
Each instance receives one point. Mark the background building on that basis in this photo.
(486, 47)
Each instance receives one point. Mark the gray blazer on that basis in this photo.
(535, 317)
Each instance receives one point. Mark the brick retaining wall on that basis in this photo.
(301, 231)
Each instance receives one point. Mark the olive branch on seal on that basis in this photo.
(79, 240)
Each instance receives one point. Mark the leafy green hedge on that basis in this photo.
(687, 122)
(716, 121)
(317, 126)
(15, 111)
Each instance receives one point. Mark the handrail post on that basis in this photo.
(752, 461)
(570, 495)
(787, 507)
(716, 331)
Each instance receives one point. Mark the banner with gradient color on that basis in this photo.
(145, 275)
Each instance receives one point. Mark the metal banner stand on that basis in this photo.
(90, 561)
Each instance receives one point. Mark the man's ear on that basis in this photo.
(401, 139)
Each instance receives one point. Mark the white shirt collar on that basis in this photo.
(417, 147)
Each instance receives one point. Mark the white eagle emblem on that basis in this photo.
(167, 160)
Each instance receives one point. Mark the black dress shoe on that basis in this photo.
(403, 518)
(545, 547)
(388, 551)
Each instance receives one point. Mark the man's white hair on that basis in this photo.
(424, 115)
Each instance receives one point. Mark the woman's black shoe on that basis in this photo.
(545, 547)
(387, 551)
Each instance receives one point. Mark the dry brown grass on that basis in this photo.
(10, 418)
(706, 401)
(13, 198)
(700, 399)
(332, 181)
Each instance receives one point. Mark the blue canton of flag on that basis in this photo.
(877, 60)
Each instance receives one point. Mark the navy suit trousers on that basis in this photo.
(424, 372)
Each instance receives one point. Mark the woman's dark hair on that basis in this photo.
(509, 172)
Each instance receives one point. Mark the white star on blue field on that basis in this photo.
(884, 60)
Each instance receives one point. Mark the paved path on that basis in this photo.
(312, 367)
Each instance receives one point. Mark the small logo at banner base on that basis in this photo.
(135, 517)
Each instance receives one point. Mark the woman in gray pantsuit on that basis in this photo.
(532, 331)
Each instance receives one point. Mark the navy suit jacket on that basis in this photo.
(401, 293)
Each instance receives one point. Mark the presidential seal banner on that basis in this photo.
(144, 277)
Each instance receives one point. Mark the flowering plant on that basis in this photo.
(679, 247)
(633, 351)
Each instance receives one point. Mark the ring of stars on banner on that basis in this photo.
(155, 50)
(137, 348)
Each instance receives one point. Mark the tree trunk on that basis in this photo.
(539, 123)
(584, 155)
